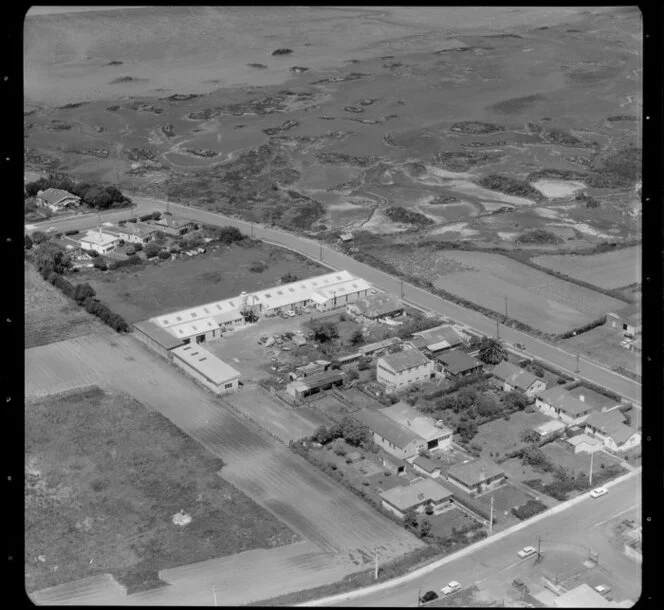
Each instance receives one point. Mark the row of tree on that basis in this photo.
(94, 195)
(352, 431)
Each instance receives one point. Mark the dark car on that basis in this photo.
(429, 596)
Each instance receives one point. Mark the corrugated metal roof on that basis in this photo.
(158, 334)
(457, 361)
(408, 417)
(514, 375)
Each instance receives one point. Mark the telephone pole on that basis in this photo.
(376, 561)
(505, 306)
(539, 549)
(498, 329)
(401, 288)
(320, 255)
(491, 517)
(590, 474)
(577, 364)
(419, 596)
(214, 594)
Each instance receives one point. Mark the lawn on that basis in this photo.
(499, 436)
(505, 498)
(579, 462)
(49, 315)
(104, 478)
(152, 289)
(454, 518)
(607, 270)
(603, 345)
(518, 471)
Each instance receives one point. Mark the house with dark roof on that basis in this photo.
(417, 496)
(376, 307)
(626, 320)
(170, 226)
(157, 338)
(393, 464)
(436, 436)
(426, 466)
(403, 369)
(379, 347)
(560, 404)
(135, 233)
(314, 384)
(57, 199)
(610, 428)
(476, 476)
(388, 434)
(515, 378)
(440, 338)
(456, 364)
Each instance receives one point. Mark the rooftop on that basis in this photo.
(315, 381)
(457, 361)
(405, 415)
(563, 400)
(405, 360)
(384, 427)
(55, 195)
(378, 305)
(549, 427)
(158, 335)
(583, 596)
(584, 438)
(514, 375)
(373, 347)
(206, 363)
(99, 238)
(440, 337)
(631, 313)
(426, 464)
(475, 471)
(403, 498)
(609, 425)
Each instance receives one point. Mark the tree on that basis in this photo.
(159, 237)
(467, 430)
(530, 436)
(410, 518)
(425, 527)
(322, 435)
(515, 400)
(492, 351)
(138, 247)
(27, 242)
(83, 292)
(229, 235)
(355, 433)
(39, 237)
(152, 250)
(428, 509)
(325, 331)
(249, 316)
(32, 188)
(357, 337)
(287, 278)
(486, 405)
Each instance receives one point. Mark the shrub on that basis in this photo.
(560, 381)
(138, 247)
(288, 278)
(257, 267)
(152, 250)
(27, 242)
(529, 509)
(164, 255)
(100, 263)
(83, 292)
(339, 447)
(39, 237)
(130, 251)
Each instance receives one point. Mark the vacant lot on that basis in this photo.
(603, 345)
(608, 270)
(160, 288)
(49, 314)
(500, 436)
(104, 478)
(443, 524)
(505, 498)
(304, 499)
(575, 463)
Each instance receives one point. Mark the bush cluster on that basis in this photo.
(108, 317)
(93, 195)
(529, 509)
(127, 262)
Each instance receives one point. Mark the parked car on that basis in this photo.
(451, 587)
(527, 551)
(429, 596)
(51, 230)
(520, 346)
(290, 313)
(598, 492)
(602, 589)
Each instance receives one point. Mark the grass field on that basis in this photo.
(500, 437)
(443, 524)
(171, 285)
(49, 314)
(608, 270)
(104, 477)
(304, 499)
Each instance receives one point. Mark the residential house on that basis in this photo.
(393, 464)
(440, 338)
(457, 364)
(417, 496)
(436, 436)
(400, 442)
(314, 384)
(349, 358)
(403, 369)
(310, 369)
(583, 443)
(57, 199)
(515, 378)
(426, 466)
(560, 404)
(100, 242)
(419, 343)
(204, 366)
(549, 429)
(626, 320)
(379, 347)
(476, 476)
(136, 234)
(376, 307)
(610, 428)
(170, 226)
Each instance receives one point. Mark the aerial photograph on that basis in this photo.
(333, 306)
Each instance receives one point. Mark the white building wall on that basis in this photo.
(217, 389)
(402, 379)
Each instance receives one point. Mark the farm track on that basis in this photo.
(285, 484)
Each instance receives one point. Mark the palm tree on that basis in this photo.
(492, 351)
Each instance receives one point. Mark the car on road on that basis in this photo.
(598, 492)
(51, 230)
(429, 596)
(451, 587)
(527, 551)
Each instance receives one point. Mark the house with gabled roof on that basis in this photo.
(610, 428)
(377, 307)
(515, 378)
(403, 369)
(626, 320)
(400, 442)
(456, 364)
(436, 436)
(417, 496)
(57, 199)
(476, 476)
(440, 338)
(560, 404)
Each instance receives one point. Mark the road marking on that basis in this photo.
(616, 515)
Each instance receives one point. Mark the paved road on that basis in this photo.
(566, 361)
(566, 537)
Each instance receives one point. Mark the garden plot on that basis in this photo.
(608, 270)
(534, 297)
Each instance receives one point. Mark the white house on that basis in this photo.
(206, 368)
(103, 243)
(134, 234)
(57, 199)
(417, 496)
(400, 370)
(397, 440)
(560, 404)
(516, 378)
(435, 436)
(610, 429)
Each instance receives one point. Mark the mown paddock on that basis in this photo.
(608, 270)
(49, 314)
(306, 500)
(533, 297)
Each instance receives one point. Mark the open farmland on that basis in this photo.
(104, 478)
(608, 270)
(49, 314)
(219, 274)
(331, 517)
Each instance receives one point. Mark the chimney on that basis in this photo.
(582, 398)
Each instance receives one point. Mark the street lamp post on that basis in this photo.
(321, 251)
(401, 281)
(498, 329)
(505, 306)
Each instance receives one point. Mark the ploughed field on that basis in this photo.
(534, 115)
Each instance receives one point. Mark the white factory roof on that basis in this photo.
(99, 238)
(320, 289)
(206, 363)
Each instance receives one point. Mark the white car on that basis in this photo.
(51, 230)
(290, 313)
(598, 492)
(527, 551)
(451, 587)
(602, 589)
